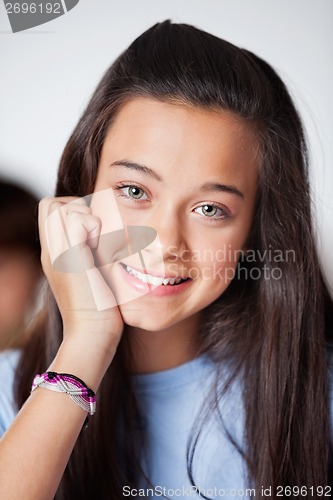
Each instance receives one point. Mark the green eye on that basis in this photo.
(135, 192)
(212, 212)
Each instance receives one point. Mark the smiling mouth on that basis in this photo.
(153, 280)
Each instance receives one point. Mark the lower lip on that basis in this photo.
(157, 291)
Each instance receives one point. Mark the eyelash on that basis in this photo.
(225, 213)
(120, 187)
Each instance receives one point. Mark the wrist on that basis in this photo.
(88, 323)
(84, 359)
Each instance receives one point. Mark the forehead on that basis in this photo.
(173, 137)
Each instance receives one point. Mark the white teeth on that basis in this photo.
(152, 280)
(144, 278)
(157, 281)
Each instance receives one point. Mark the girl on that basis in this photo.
(209, 356)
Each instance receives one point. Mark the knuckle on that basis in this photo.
(53, 205)
(43, 205)
(96, 220)
(78, 208)
(74, 216)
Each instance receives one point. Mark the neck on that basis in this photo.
(156, 351)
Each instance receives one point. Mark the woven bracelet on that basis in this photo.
(71, 385)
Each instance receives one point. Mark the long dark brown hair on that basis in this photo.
(273, 332)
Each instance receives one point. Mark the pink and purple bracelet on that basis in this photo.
(71, 385)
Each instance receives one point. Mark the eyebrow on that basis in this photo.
(136, 166)
(215, 186)
(208, 186)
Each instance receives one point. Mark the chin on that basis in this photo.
(151, 323)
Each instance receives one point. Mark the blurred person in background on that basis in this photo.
(20, 270)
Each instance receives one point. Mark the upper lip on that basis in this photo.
(156, 274)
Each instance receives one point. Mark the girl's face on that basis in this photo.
(190, 174)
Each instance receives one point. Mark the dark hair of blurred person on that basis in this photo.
(20, 269)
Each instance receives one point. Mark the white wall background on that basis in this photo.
(48, 73)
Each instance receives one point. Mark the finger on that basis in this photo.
(48, 206)
(53, 239)
(80, 235)
(66, 225)
(82, 228)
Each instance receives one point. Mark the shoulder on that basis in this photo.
(8, 363)
(9, 359)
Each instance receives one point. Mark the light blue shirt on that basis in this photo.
(170, 401)
(8, 363)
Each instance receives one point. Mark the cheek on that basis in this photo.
(104, 206)
(215, 259)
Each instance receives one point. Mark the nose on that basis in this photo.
(171, 239)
